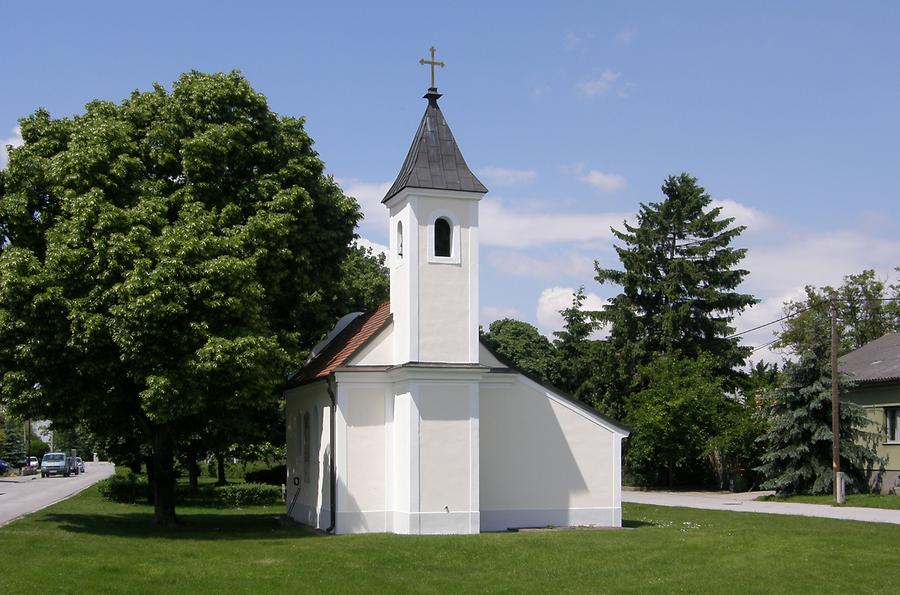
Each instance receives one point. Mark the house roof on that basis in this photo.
(876, 361)
(434, 159)
(344, 345)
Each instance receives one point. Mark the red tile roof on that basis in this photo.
(344, 345)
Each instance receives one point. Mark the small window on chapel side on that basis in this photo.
(400, 239)
(442, 236)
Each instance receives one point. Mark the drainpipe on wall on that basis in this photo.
(331, 393)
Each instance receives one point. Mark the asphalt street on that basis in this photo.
(745, 502)
(24, 495)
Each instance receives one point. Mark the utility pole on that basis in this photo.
(835, 410)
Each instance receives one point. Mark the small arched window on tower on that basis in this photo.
(400, 239)
(442, 237)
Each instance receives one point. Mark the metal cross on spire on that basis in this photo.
(432, 63)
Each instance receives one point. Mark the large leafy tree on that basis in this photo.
(678, 282)
(523, 345)
(798, 441)
(164, 260)
(675, 420)
(866, 307)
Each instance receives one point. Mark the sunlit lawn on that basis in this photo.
(87, 545)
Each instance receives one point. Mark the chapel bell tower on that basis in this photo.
(433, 207)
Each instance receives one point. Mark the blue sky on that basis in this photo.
(572, 113)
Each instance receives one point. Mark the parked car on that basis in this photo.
(80, 464)
(33, 462)
(58, 463)
(4, 466)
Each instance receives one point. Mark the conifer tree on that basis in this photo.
(798, 441)
(678, 285)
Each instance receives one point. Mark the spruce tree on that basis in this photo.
(798, 442)
(678, 285)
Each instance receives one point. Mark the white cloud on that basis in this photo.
(15, 140)
(603, 181)
(554, 299)
(368, 195)
(491, 313)
(626, 37)
(821, 258)
(375, 246)
(754, 219)
(515, 262)
(517, 228)
(573, 41)
(599, 85)
(782, 265)
(767, 310)
(502, 176)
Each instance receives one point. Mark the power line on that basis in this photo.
(755, 349)
(806, 309)
(756, 328)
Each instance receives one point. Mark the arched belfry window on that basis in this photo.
(442, 237)
(400, 239)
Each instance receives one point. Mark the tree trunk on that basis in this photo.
(220, 467)
(671, 476)
(150, 465)
(193, 468)
(163, 479)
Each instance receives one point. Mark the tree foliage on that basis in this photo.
(523, 345)
(164, 261)
(678, 285)
(798, 442)
(867, 308)
(675, 419)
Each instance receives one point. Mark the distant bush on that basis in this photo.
(237, 495)
(126, 488)
(274, 476)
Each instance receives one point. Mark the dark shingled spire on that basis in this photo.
(434, 160)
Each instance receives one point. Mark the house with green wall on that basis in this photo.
(875, 370)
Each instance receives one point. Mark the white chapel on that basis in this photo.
(402, 421)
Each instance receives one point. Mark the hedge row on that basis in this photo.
(131, 489)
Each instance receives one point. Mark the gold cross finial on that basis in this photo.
(433, 63)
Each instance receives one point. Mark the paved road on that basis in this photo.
(745, 503)
(25, 495)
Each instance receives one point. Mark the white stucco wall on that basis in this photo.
(486, 358)
(434, 300)
(446, 287)
(543, 460)
(379, 351)
(362, 466)
(444, 448)
(313, 503)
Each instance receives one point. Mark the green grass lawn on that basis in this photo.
(861, 500)
(87, 545)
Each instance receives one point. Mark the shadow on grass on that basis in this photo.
(635, 524)
(208, 526)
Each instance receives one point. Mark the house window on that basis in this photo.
(892, 423)
(400, 239)
(442, 237)
(306, 447)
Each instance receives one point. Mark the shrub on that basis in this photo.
(128, 488)
(275, 476)
(237, 495)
